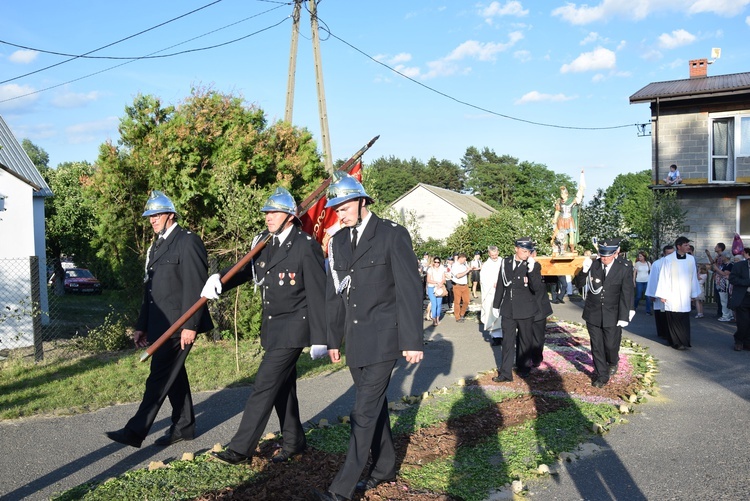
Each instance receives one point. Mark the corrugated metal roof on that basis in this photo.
(467, 204)
(14, 159)
(694, 87)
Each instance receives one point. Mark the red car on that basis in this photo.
(80, 281)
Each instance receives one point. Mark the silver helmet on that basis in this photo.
(344, 188)
(281, 201)
(158, 203)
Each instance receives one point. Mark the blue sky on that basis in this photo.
(480, 71)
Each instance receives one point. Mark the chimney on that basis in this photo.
(698, 68)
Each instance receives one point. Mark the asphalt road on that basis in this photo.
(690, 443)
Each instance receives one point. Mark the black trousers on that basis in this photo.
(742, 314)
(167, 379)
(660, 319)
(605, 347)
(516, 331)
(537, 348)
(679, 327)
(275, 387)
(371, 429)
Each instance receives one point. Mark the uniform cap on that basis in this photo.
(525, 243)
(344, 188)
(608, 246)
(158, 203)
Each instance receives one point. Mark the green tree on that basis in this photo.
(491, 177)
(386, 179)
(38, 155)
(629, 194)
(599, 219)
(443, 174)
(667, 219)
(500, 229)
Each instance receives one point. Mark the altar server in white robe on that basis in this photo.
(488, 281)
(678, 284)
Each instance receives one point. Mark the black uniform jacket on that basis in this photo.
(380, 314)
(292, 283)
(542, 299)
(615, 293)
(739, 277)
(176, 274)
(518, 298)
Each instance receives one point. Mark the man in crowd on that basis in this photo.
(290, 273)
(608, 307)
(517, 284)
(660, 318)
(460, 273)
(373, 306)
(540, 321)
(677, 285)
(740, 300)
(488, 281)
(176, 268)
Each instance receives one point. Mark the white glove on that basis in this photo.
(622, 323)
(496, 312)
(530, 263)
(631, 315)
(587, 264)
(318, 350)
(212, 289)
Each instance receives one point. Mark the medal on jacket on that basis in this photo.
(291, 278)
(281, 278)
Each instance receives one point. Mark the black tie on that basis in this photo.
(155, 246)
(272, 248)
(354, 239)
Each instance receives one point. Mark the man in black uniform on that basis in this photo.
(608, 307)
(518, 284)
(540, 321)
(374, 307)
(291, 274)
(176, 268)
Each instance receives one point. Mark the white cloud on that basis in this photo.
(677, 38)
(23, 56)
(598, 59)
(88, 132)
(510, 8)
(15, 96)
(522, 55)
(652, 55)
(590, 38)
(640, 9)
(537, 97)
(74, 100)
(747, 20)
(471, 49)
(409, 71)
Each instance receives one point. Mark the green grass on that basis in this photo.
(84, 384)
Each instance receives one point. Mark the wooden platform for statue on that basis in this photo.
(564, 264)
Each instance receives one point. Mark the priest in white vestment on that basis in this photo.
(488, 281)
(677, 285)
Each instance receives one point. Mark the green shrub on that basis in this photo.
(111, 335)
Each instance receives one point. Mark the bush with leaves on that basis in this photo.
(112, 335)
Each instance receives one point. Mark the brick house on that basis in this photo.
(702, 124)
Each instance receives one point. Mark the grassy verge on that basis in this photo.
(84, 384)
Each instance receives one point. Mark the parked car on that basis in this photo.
(81, 281)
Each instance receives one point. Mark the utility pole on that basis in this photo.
(322, 111)
(292, 63)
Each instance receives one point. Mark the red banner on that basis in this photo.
(322, 223)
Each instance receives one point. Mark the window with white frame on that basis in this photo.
(743, 216)
(730, 138)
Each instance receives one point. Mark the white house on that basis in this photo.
(23, 263)
(439, 211)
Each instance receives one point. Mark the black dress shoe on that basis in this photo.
(231, 457)
(328, 496)
(502, 379)
(283, 456)
(524, 374)
(613, 369)
(599, 382)
(370, 483)
(169, 439)
(680, 347)
(125, 437)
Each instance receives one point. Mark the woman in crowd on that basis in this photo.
(641, 269)
(702, 277)
(435, 288)
(476, 266)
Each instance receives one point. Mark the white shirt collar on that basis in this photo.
(284, 234)
(168, 231)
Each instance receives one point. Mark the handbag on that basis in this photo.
(440, 291)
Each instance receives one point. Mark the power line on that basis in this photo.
(161, 56)
(148, 56)
(111, 44)
(470, 105)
